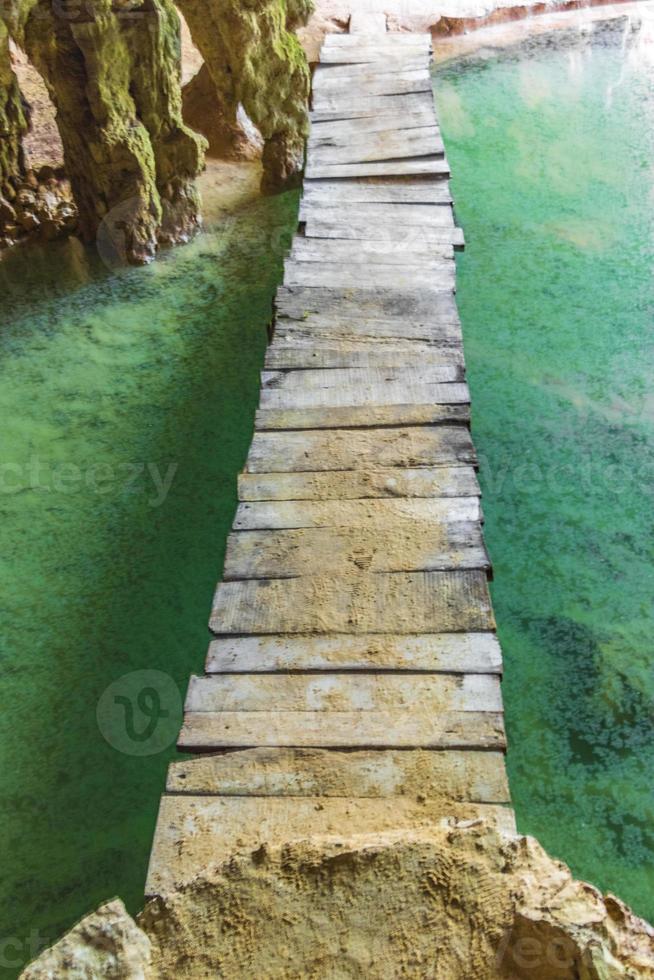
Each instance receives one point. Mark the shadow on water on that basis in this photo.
(128, 400)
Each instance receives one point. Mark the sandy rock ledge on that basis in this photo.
(451, 903)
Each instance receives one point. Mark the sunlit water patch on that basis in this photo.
(127, 401)
(552, 146)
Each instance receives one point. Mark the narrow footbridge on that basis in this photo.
(354, 675)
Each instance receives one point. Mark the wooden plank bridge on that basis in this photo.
(354, 677)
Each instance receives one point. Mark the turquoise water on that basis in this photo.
(552, 148)
(127, 401)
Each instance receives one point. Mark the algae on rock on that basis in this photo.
(256, 61)
(14, 121)
(113, 73)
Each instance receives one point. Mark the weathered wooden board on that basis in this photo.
(415, 547)
(396, 63)
(195, 832)
(392, 145)
(347, 377)
(385, 168)
(421, 215)
(428, 693)
(360, 417)
(373, 105)
(326, 353)
(398, 392)
(340, 130)
(297, 273)
(327, 329)
(359, 729)
(475, 777)
(348, 89)
(392, 191)
(411, 602)
(435, 481)
(377, 253)
(419, 305)
(345, 449)
(477, 653)
(371, 514)
(410, 234)
(392, 41)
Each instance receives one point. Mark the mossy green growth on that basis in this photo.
(114, 77)
(13, 118)
(256, 61)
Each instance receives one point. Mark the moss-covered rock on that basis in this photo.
(231, 135)
(113, 73)
(256, 61)
(13, 120)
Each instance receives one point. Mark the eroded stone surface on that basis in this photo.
(106, 944)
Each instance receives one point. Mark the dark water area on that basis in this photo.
(127, 401)
(552, 148)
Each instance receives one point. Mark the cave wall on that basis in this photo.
(13, 120)
(255, 60)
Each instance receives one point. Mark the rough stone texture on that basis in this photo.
(41, 207)
(113, 73)
(13, 120)
(231, 135)
(106, 944)
(255, 61)
(448, 904)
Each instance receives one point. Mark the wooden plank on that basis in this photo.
(400, 392)
(348, 377)
(362, 191)
(477, 653)
(385, 168)
(421, 215)
(360, 417)
(412, 602)
(329, 329)
(340, 729)
(392, 40)
(350, 91)
(425, 693)
(416, 547)
(385, 232)
(196, 832)
(372, 105)
(387, 303)
(378, 253)
(379, 146)
(371, 276)
(346, 449)
(436, 481)
(370, 514)
(476, 777)
(326, 353)
(394, 63)
(340, 130)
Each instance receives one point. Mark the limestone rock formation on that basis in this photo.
(446, 903)
(255, 61)
(450, 902)
(13, 126)
(112, 71)
(106, 944)
(231, 135)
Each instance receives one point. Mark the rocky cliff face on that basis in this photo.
(13, 120)
(255, 61)
(448, 903)
(112, 71)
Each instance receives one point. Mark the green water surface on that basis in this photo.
(552, 148)
(127, 403)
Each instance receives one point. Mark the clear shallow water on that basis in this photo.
(127, 402)
(552, 147)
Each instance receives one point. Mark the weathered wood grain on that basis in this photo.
(348, 377)
(340, 130)
(345, 449)
(399, 392)
(212, 829)
(385, 168)
(435, 481)
(373, 105)
(391, 191)
(386, 145)
(297, 273)
(411, 602)
(421, 215)
(360, 352)
(417, 546)
(348, 89)
(371, 514)
(385, 231)
(359, 417)
(385, 304)
(475, 777)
